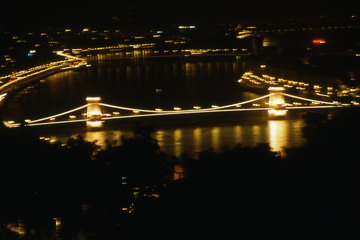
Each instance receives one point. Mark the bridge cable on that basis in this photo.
(60, 114)
(307, 99)
(179, 112)
(189, 110)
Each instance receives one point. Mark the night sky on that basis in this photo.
(17, 13)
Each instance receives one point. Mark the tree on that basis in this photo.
(139, 158)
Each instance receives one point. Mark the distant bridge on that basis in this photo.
(94, 116)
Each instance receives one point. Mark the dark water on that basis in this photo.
(159, 83)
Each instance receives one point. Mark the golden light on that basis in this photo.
(178, 137)
(277, 113)
(94, 124)
(277, 99)
(276, 89)
(57, 222)
(278, 135)
(94, 112)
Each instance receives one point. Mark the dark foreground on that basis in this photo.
(75, 191)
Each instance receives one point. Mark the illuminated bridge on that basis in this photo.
(94, 113)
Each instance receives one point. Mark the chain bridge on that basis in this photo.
(94, 113)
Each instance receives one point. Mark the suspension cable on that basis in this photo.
(189, 110)
(307, 99)
(60, 114)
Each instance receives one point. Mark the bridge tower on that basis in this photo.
(277, 102)
(94, 112)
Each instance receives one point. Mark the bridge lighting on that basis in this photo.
(277, 102)
(277, 113)
(277, 98)
(276, 108)
(94, 112)
(94, 124)
(52, 119)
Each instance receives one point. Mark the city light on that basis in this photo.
(318, 41)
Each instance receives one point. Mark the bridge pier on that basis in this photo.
(94, 112)
(277, 103)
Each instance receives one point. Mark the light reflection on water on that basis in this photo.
(238, 134)
(197, 139)
(215, 137)
(178, 140)
(191, 140)
(278, 137)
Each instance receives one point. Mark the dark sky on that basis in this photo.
(81, 12)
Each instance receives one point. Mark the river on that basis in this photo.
(150, 83)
